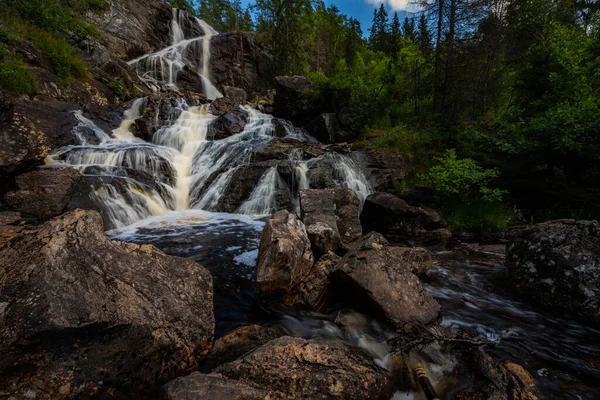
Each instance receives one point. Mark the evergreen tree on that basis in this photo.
(408, 29)
(423, 36)
(378, 40)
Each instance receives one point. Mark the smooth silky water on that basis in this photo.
(166, 192)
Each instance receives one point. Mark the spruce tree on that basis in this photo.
(408, 29)
(423, 36)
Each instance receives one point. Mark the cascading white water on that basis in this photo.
(262, 200)
(86, 126)
(164, 65)
(123, 132)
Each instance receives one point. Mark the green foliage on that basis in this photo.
(483, 218)
(60, 54)
(462, 178)
(14, 77)
(120, 91)
(6, 36)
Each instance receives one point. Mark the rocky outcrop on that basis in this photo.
(386, 170)
(83, 315)
(214, 387)
(557, 265)
(309, 369)
(336, 209)
(30, 130)
(284, 258)
(43, 193)
(400, 222)
(238, 60)
(372, 279)
(237, 343)
(227, 125)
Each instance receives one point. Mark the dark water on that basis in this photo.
(563, 355)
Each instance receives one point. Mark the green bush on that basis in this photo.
(454, 177)
(60, 54)
(16, 79)
(119, 90)
(6, 36)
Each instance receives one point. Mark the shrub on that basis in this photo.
(6, 36)
(462, 178)
(60, 54)
(119, 90)
(483, 218)
(16, 79)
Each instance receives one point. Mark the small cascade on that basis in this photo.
(164, 65)
(123, 132)
(87, 131)
(350, 175)
(301, 171)
(262, 201)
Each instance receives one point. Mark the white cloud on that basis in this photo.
(394, 4)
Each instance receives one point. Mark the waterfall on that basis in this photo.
(262, 200)
(164, 65)
(123, 132)
(85, 127)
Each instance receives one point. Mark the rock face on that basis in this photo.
(418, 260)
(557, 265)
(214, 387)
(31, 130)
(311, 369)
(43, 193)
(385, 170)
(337, 209)
(227, 125)
(400, 222)
(238, 60)
(372, 278)
(237, 343)
(81, 313)
(284, 258)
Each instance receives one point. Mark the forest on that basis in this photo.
(495, 102)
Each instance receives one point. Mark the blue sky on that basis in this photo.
(362, 10)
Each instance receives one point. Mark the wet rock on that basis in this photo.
(374, 279)
(239, 60)
(309, 369)
(284, 258)
(214, 387)
(323, 238)
(90, 316)
(237, 343)
(190, 81)
(31, 129)
(227, 125)
(489, 379)
(524, 377)
(8, 227)
(43, 193)
(557, 264)
(321, 175)
(242, 183)
(400, 222)
(236, 95)
(418, 260)
(336, 208)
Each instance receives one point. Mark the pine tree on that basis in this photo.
(378, 40)
(423, 36)
(408, 29)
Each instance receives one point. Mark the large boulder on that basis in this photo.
(337, 209)
(386, 170)
(417, 259)
(82, 315)
(311, 369)
(557, 265)
(289, 98)
(284, 259)
(371, 278)
(227, 125)
(400, 222)
(214, 387)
